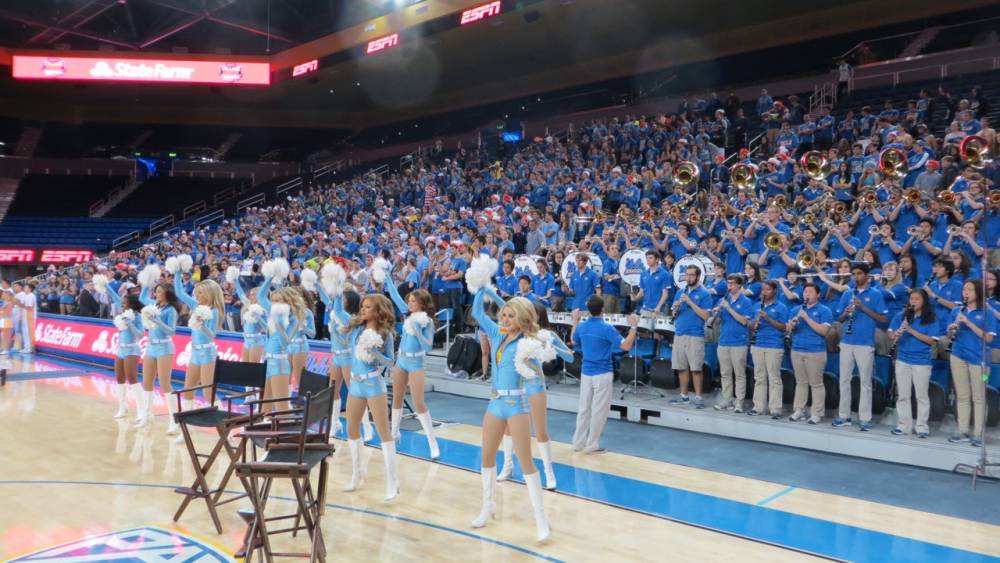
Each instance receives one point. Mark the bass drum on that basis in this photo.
(526, 264)
(631, 266)
(704, 265)
(569, 265)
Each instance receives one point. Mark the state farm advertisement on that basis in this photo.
(140, 70)
(97, 341)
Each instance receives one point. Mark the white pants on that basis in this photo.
(592, 412)
(918, 378)
(864, 358)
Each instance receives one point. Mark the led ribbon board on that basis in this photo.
(140, 70)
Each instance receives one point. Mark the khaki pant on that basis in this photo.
(688, 353)
(917, 378)
(592, 410)
(733, 364)
(970, 392)
(882, 343)
(808, 368)
(864, 358)
(611, 304)
(767, 379)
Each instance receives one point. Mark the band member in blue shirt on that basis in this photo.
(861, 308)
(654, 284)
(767, 346)
(915, 331)
(690, 310)
(969, 326)
(582, 283)
(809, 324)
(734, 309)
(598, 341)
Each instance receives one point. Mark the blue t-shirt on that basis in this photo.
(599, 341)
(734, 333)
(583, 285)
(653, 283)
(804, 338)
(458, 265)
(768, 336)
(863, 326)
(909, 349)
(687, 322)
(966, 345)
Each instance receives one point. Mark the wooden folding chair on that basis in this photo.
(238, 374)
(292, 455)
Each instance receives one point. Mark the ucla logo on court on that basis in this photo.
(146, 544)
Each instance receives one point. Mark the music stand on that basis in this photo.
(641, 388)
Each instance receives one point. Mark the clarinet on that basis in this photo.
(756, 327)
(951, 341)
(850, 316)
(789, 329)
(908, 316)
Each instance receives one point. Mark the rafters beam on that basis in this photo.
(68, 17)
(210, 16)
(7, 15)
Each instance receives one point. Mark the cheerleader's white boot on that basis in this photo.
(550, 477)
(121, 390)
(397, 420)
(427, 423)
(534, 483)
(391, 476)
(489, 477)
(357, 472)
(508, 459)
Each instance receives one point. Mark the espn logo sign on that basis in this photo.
(66, 256)
(16, 255)
(305, 68)
(382, 43)
(480, 13)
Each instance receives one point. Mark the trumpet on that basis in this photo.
(816, 165)
(913, 230)
(808, 217)
(780, 200)
(874, 230)
(686, 173)
(743, 176)
(954, 230)
(912, 196)
(806, 260)
(975, 151)
(840, 208)
(892, 162)
(772, 241)
(694, 219)
(869, 196)
(947, 197)
(994, 197)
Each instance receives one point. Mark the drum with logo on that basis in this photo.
(526, 264)
(569, 265)
(631, 266)
(704, 265)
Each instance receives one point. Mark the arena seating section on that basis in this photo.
(67, 232)
(70, 196)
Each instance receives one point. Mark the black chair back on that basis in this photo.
(312, 382)
(240, 374)
(317, 411)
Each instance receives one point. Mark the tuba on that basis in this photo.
(892, 162)
(815, 165)
(975, 151)
(686, 173)
(743, 176)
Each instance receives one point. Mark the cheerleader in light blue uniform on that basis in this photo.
(159, 317)
(286, 311)
(508, 407)
(298, 347)
(340, 306)
(207, 311)
(370, 335)
(253, 319)
(129, 325)
(416, 341)
(534, 389)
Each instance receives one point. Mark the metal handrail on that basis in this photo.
(94, 207)
(154, 238)
(217, 215)
(941, 68)
(254, 200)
(223, 195)
(161, 223)
(125, 239)
(196, 207)
(850, 51)
(289, 185)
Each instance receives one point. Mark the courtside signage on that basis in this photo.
(140, 70)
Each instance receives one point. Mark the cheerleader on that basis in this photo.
(298, 348)
(159, 317)
(416, 341)
(129, 325)
(286, 311)
(538, 401)
(207, 311)
(370, 334)
(333, 296)
(969, 327)
(6, 318)
(253, 319)
(511, 342)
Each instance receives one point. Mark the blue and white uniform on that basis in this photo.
(299, 343)
(412, 347)
(508, 398)
(337, 317)
(366, 377)
(276, 346)
(203, 348)
(128, 339)
(161, 337)
(254, 332)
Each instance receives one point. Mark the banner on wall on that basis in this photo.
(96, 340)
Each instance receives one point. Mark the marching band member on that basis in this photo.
(582, 283)
(767, 346)
(416, 341)
(159, 317)
(945, 294)
(654, 285)
(207, 312)
(969, 327)
(371, 335)
(915, 332)
(508, 408)
(809, 324)
(690, 309)
(129, 325)
(862, 307)
(734, 309)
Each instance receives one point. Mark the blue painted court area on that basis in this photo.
(34, 375)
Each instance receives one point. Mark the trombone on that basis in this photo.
(947, 197)
(893, 162)
(869, 196)
(994, 197)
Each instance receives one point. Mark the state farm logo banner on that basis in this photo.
(98, 340)
(140, 70)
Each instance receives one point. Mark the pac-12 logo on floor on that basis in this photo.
(145, 545)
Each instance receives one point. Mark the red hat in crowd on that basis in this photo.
(744, 152)
(933, 164)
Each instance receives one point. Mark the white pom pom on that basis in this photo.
(276, 269)
(480, 273)
(546, 336)
(172, 265)
(415, 322)
(148, 313)
(380, 269)
(279, 314)
(186, 262)
(368, 341)
(200, 315)
(253, 313)
(232, 274)
(120, 322)
(149, 276)
(308, 279)
(530, 351)
(333, 276)
(100, 283)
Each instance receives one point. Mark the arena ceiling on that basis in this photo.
(534, 46)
